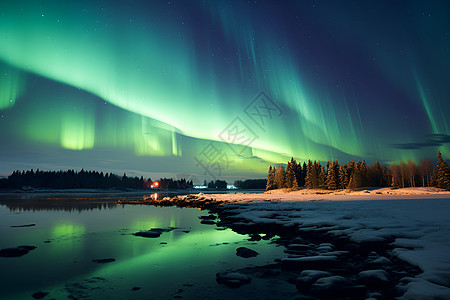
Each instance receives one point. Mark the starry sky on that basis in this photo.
(221, 89)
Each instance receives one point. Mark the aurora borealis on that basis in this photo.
(152, 87)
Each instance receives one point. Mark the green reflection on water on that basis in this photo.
(67, 230)
(192, 252)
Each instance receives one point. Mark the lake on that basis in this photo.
(71, 233)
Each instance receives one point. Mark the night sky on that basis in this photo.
(221, 89)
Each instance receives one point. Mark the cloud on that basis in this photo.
(432, 140)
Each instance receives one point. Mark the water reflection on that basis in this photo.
(54, 204)
(183, 262)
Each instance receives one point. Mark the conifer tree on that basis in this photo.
(298, 175)
(358, 176)
(271, 179)
(290, 175)
(279, 177)
(375, 175)
(332, 182)
(364, 169)
(295, 185)
(322, 176)
(311, 180)
(442, 173)
(302, 181)
(343, 178)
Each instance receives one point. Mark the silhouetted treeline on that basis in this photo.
(218, 184)
(169, 183)
(354, 175)
(69, 179)
(85, 179)
(251, 184)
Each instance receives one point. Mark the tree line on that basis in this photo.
(251, 184)
(354, 175)
(71, 179)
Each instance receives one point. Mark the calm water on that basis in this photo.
(70, 233)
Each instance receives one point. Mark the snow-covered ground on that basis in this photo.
(338, 195)
(418, 218)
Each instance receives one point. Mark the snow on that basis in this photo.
(416, 222)
(338, 195)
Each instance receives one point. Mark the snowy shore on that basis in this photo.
(413, 223)
(338, 195)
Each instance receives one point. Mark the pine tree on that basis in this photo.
(295, 185)
(279, 177)
(322, 176)
(343, 178)
(364, 169)
(298, 175)
(332, 182)
(375, 175)
(271, 179)
(311, 180)
(358, 176)
(290, 175)
(442, 173)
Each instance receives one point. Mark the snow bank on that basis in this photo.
(415, 221)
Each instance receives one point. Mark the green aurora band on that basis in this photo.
(140, 79)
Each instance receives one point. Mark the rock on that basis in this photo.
(246, 252)
(255, 237)
(208, 222)
(336, 253)
(104, 260)
(318, 262)
(299, 247)
(380, 261)
(26, 225)
(331, 286)
(232, 279)
(39, 295)
(374, 278)
(154, 232)
(307, 278)
(208, 217)
(325, 247)
(16, 251)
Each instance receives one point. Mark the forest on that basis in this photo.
(85, 179)
(355, 175)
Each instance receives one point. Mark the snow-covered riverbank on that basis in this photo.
(338, 195)
(413, 223)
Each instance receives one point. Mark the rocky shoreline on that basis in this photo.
(191, 200)
(319, 262)
(322, 265)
